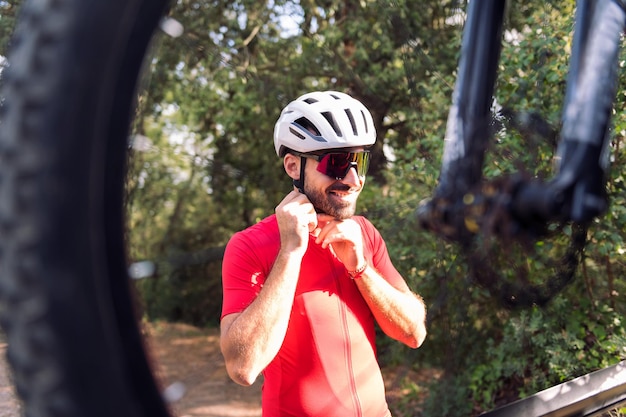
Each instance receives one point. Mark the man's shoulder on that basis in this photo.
(266, 229)
(364, 222)
(370, 232)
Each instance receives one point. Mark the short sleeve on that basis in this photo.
(248, 259)
(242, 277)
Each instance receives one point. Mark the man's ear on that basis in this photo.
(292, 165)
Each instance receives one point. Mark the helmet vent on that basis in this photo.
(352, 123)
(310, 100)
(296, 133)
(308, 125)
(331, 120)
(364, 121)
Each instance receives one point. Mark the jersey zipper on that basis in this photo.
(346, 331)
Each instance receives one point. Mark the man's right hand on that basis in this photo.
(296, 218)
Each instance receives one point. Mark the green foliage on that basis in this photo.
(222, 84)
(203, 166)
(8, 13)
(492, 355)
(566, 341)
(227, 80)
(448, 397)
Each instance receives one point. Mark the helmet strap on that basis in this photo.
(299, 183)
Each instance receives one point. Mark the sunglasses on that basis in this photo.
(337, 164)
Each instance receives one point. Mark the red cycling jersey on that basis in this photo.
(327, 364)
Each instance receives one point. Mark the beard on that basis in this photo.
(337, 209)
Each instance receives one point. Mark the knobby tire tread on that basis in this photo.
(74, 345)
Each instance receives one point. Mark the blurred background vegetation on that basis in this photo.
(202, 166)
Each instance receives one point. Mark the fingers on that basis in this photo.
(330, 230)
(296, 203)
(296, 219)
(343, 237)
(326, 227)
(324, 218)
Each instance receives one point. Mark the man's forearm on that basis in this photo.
(400, 313)
(253, 338)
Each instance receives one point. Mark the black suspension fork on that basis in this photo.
(468, 128)
(578, 190)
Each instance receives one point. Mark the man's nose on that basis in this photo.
(352, 177)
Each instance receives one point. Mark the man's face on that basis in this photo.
(334, 197)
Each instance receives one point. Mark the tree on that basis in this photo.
(8, 14)
(238, 65)
(202, 166)
(492, 354)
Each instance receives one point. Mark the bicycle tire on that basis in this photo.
(74, 344)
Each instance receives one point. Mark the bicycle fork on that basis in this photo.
(460, 203)
(578, 191)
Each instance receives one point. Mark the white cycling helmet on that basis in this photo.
(323, 120)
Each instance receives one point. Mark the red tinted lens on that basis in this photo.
(337, 165)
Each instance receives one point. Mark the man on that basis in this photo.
(303, 287)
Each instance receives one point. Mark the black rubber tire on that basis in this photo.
(66, 308)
